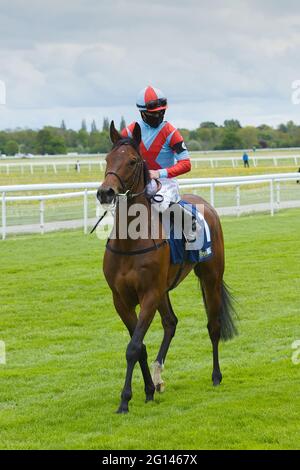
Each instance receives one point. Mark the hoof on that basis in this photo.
(149, 398)
(217, 379)
(160, 388)
(156, 377)
(122, 410)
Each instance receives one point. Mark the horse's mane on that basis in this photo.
(135, 145)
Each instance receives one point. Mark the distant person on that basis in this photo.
(77, 166)
(246, 160)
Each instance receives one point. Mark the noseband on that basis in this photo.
(128, 192)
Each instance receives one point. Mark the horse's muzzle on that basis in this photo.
(106, 195)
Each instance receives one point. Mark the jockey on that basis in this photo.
(162, 147)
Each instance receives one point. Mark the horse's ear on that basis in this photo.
(114, 134)
(137, 134)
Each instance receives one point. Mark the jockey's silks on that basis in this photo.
(162, 148)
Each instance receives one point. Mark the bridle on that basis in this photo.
(127, 193)
(136, 176)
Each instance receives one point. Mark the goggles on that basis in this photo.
(154, 105)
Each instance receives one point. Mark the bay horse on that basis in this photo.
(139, 271)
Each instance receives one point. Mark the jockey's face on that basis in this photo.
(153, 119)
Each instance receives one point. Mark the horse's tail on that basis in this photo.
(228, 314)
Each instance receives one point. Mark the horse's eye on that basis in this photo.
(132, 162)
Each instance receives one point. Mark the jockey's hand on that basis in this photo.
(154, 174)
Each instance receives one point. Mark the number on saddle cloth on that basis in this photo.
(196, 241)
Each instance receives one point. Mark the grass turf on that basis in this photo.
(66, 349)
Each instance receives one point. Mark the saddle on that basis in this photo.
(182, 249)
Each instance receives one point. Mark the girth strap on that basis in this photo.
(135, 252)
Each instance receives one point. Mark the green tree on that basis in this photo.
(105, 125)
(93, 126)
(122, 123)
(248, 136)
(99, 142)
(83, 138)
(231, 140)
(232, 124)
(63, 125)
(43, 141)
(11, 147)
(208, 125)
(193, 145)
(50, 143)
(185, 134)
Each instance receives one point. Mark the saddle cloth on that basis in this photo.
(178, 250)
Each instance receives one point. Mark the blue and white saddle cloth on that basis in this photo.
(178, 250)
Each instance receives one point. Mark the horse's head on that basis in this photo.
(123, 165)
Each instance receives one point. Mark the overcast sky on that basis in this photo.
(75, 59)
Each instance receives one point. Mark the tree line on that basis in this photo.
(208, 136)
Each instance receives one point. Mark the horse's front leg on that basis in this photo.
(135, 348)
(169, 322)
(129, 317)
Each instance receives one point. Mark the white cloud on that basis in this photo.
(214, 60)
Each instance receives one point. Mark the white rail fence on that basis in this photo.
(99, 163)
(271, 184)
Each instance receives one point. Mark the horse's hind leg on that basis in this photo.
(213, 302)
(169, 322)
(129, 318)
(212, 295)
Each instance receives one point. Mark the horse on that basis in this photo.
(139, 271)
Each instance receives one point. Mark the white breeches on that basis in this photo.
(170, 192)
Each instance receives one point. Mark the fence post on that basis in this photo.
(42, 221)
(272, 197)
(3, 217)
(238, 200)
(212, 194)
(85, 211)
(278, 195)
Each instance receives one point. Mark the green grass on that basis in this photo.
(66, 349)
